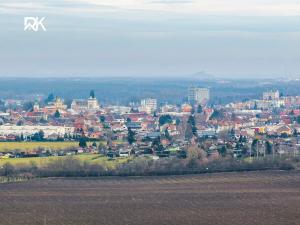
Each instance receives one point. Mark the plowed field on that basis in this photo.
(260, 198)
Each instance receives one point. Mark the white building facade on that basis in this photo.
(198, 95)
(148, 105)
(26, 130)
(271, 95)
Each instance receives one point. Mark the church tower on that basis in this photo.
(92, 102)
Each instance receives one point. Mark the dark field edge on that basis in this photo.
(10, 180)
(152, 177)
(74, 168)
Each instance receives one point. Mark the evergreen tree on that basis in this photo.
(199, 109)
(164, 119)
(255, 106)
(57, 114)
(268, 147)
(191, 120)
(94, 144)
(102, 119)
(131, 136)
(222, 151)
(254, 146)
(295, 133)
(82, 142)
(192, 123)
(167, 135)
(50, 98)
(217, 114)
(232, 133)
(156, 145)
(298, 119)
(41, 135)
(189, 132)
(193, 110)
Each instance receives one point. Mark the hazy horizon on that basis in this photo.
(158, 76)
(147, 38)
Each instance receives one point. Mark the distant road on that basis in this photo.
(260, 198)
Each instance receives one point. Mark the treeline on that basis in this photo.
(179, 167)
(71, 167)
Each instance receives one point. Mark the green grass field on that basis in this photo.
(42, 161)
(25, 146)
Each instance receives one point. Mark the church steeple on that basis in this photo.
(36, 105)
(92, 94)
(92, 101)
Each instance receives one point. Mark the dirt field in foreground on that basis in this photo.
(254, 198)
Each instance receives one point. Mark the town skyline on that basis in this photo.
(251, 128)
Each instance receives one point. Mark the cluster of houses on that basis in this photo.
(136, 129)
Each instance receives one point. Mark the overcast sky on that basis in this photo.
(227, 38)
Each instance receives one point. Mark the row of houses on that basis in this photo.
(27, 130)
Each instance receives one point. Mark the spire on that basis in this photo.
(92, 94)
